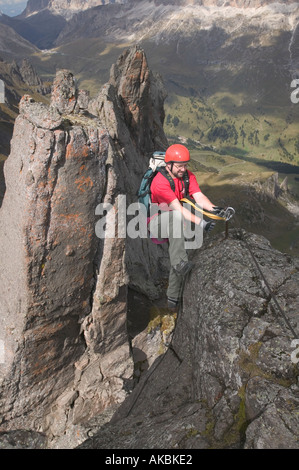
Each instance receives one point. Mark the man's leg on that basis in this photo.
(174, 290)
(170, 225)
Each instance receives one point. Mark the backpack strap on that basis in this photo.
(186, 182)
(165, 173)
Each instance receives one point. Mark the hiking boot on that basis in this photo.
(183, 267)
(173, 304)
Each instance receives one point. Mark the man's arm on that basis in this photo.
(203, 201)
(175, 205)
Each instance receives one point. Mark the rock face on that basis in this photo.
(31, 78)
(230, 377)
(65, 8)
(185, 21)
(66, 354)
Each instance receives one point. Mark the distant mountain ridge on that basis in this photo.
(68, 7)
(50, 23)
(65, 8)
(11, 41)
(164, 20)
(227, 65)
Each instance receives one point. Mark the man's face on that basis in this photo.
(178, 169)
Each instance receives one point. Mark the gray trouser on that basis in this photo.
(170, 225)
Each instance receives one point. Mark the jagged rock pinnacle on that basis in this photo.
(63, 289)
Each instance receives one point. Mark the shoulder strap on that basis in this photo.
(186, 182)
(165, 173)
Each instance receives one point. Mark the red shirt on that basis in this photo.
(162, 192)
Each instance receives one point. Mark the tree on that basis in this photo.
(175, 121)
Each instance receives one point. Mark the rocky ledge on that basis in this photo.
(230, 376)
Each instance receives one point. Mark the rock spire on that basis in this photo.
(64, 290)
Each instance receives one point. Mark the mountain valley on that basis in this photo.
(228, 68)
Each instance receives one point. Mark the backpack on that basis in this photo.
(156, 164)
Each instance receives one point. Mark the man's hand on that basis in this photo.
(218, 210)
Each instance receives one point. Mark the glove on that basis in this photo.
(218, 210)
(208, 226)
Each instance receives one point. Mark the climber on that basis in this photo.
(169, 221)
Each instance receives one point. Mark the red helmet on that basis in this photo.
(177, 153)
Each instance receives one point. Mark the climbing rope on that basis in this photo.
(225, 214)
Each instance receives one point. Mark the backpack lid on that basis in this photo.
(157, 160)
